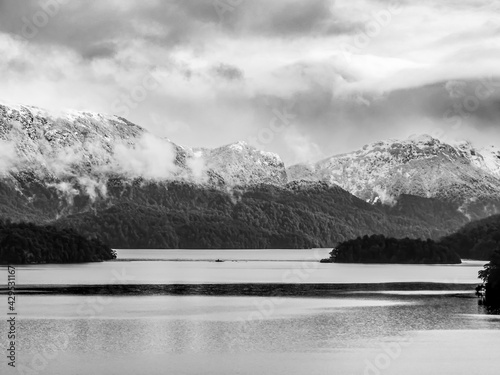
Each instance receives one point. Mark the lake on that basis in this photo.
(348, 332)
(239, 266)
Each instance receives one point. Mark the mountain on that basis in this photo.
(89, 148)
(298, 215)
(109, 178)
(242, 164)
(421, 166)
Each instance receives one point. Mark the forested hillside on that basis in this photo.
(179, 215)
(379, 249)
(142, 214)
(476, 240)
(22, 243)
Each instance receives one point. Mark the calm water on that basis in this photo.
(350, 333)
(239, 266)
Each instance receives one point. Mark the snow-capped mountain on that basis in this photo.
(421, 166)
(78, 169)
(89, 147)
(52, 144)
(71, 148)
(242, 164)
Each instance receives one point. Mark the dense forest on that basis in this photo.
(140, 214)
(380, 249)
(143, 214)
(476, 240)
(180, 215)
(22, 243)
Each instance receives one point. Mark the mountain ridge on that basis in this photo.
(72, 144)
(421, 166)
(96, 173)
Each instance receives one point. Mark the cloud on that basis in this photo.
(150, 157)
(303, 149)
(213, 70)
(93, 187)
(197, 166)
(7, 156)
(66, 190)
(227, 72)
(296, 18)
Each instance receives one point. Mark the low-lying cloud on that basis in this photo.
(150, 157)
(7, 156)
(355, 75)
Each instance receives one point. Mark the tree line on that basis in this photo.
(381, 249)
(23, 243)
(181, 215)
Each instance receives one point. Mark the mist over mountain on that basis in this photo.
(109, 178)
(422, 166)
(90, 147)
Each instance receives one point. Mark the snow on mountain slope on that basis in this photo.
(421, 166)
(89, 147)
(242, 164)
(487, 159)
(86, 148)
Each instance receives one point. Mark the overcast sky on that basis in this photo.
(307, 79)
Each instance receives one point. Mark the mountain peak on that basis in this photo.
(420, 165)
(240, 163)
(239, 146)
(73, 145)
(422, 138)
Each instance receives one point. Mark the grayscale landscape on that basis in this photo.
(249, 187)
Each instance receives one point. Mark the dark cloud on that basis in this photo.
(294, 18)
(342, 124)
(287, 53)
(102, 50)
(93, 27)
(19, 66)
(227, 72)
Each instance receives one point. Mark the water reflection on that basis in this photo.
(175, 331)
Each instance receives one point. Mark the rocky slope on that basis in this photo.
(420, 166)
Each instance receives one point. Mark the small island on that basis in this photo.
(27, 243)
(380, 249)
